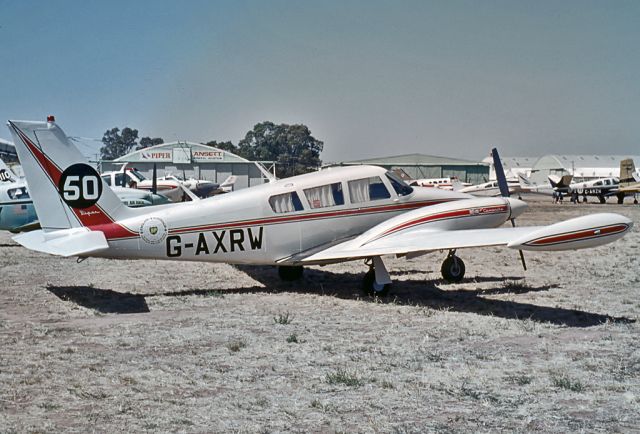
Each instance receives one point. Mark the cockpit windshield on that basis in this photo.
(398, 184)
(137, 174)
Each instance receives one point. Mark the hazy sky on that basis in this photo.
(369, 78)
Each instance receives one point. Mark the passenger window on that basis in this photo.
(287, 202)
(364, 190)
(107, 179)
(325, 196)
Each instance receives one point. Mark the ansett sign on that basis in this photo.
(207, 155)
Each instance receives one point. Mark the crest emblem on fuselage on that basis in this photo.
(153, 230)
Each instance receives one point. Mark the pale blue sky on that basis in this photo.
(370, 78)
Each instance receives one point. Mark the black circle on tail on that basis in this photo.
(80, 186)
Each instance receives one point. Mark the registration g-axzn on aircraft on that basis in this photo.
(330, 216)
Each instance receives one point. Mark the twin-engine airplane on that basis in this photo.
(334, 215)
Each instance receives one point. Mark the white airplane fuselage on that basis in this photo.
(242, 226)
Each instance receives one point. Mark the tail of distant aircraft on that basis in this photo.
(627, 171)
(560, 182)
(67, 192)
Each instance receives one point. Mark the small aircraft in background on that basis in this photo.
(334, 215)
(629, 183)
(203, 188)
(450, 183)
(17, 212)
(491, 188)
(130, 177)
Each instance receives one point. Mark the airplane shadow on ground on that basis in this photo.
(101, 300)
(348, 286)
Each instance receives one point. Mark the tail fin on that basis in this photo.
(524, 182)
(229, 182)
(627, 169)
(66, 191)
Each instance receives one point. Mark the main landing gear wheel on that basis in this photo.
(452, 269)
(290, 273)
(370, 287)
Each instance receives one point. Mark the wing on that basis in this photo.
(581, 232)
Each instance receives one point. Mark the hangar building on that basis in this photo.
(513, 166)
(419, 166)
(582, 167)
(193, 160)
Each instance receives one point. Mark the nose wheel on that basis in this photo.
(452, 268)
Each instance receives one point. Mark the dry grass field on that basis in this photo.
(113, 346)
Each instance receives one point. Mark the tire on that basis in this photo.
(620, 199)
(370, 287)
(452, 269)
(290, 273)
(602, 199)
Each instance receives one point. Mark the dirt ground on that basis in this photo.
(113, 346)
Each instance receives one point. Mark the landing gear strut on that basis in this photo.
(377, 280)
(452, 268)
(290, 273)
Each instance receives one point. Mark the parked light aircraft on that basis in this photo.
(443, 183)
(629, 181)
(334, 215)
(491, 188)
(203, 188)
(16, 208)
(132, 178)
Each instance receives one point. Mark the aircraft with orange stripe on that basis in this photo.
(334, 215)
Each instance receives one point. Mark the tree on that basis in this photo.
(146, 142)
(292, 147)
(225, 146)
(116, 144)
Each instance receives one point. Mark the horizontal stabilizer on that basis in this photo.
(75, 242)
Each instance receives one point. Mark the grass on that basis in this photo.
(520, 379)
(293, 339)
(563, 381)
(342, 376)
(283, 318)
(236, 345)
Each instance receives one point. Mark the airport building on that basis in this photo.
(513, 166)
(195, 160)
(582, 167)
(419, 166)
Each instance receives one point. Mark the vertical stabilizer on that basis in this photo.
(627, 169)
(67, 192)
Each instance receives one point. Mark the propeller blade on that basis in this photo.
(154, 182)
(500, 176)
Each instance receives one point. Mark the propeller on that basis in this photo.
(154, 182)
(504, 191)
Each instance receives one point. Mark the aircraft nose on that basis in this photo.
(517, 207)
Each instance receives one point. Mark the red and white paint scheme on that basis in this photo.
(333, 215)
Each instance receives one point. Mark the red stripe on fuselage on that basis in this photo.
(302, 217)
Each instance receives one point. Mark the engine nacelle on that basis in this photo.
(577, 233)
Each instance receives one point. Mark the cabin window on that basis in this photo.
(401, 187)
(287, 202)
(599, 183)
(107, 179)
(366, 189)
(325, 196)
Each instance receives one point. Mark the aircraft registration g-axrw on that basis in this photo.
(329, 216)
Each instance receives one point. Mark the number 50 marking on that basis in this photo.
(76, 188)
